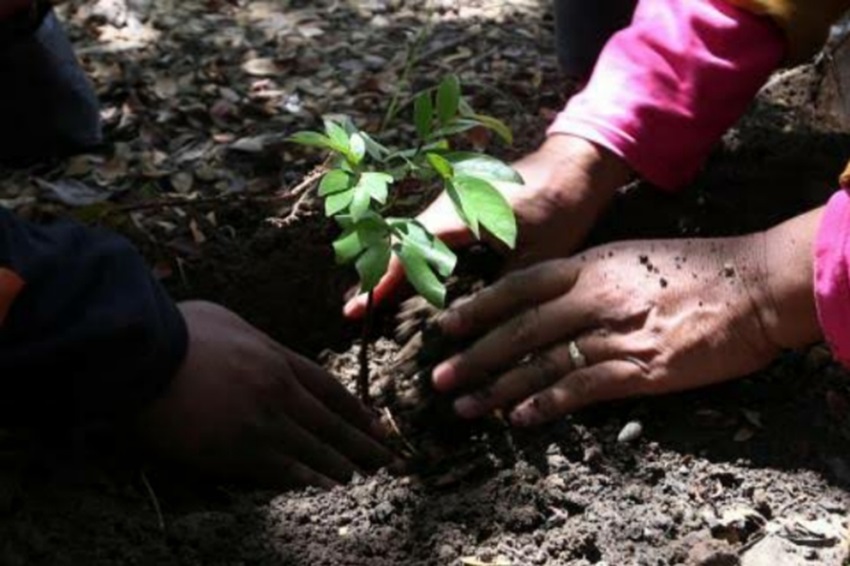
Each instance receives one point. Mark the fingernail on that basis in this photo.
(523, 418)
(467, 407)
(352, 308)
(442, 376)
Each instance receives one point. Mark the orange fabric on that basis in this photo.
(806, 23)
(11, 286)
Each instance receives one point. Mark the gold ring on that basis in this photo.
(577, 358)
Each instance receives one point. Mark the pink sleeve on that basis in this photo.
(832, 275)
(666, 88)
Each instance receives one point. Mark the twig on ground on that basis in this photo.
(301, 191)
(388, 415)
(282, 195)
(155, 501)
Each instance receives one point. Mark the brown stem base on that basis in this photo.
(363, 376)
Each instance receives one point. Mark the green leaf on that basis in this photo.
(357, 143)
(420, 275)
(441, 166)
(483, 202)
(334, 182)
(338, 202)
(376, 184)
(312, 139)
(482, 166)
(369, 232)
(500, 128)
(423, 114)
(465, 108)
(448, 99)
(338, 136)
(375, 150)
(461, 207)
(360, 203)
(348, 247)
(373, 264)
(412, 233)
(455, 127)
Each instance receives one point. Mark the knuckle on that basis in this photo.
(544, 369)
(581, 386)
(523, 329)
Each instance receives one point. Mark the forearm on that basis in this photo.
(666, 88)
(578, 173)
(788, 308)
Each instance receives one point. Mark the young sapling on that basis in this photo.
(357, 189)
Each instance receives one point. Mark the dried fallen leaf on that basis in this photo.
(73, 192)
(261, 67)
(497, 561)
(744, 435)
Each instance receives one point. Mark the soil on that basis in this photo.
(752, 472)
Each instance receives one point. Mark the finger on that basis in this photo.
(324, 386)
(528, 332)
(387, 287)
(331, 427)
(509, 296)
(281, 471)
(281, 434)
(539, 373)
(601, 382)
(441, 220)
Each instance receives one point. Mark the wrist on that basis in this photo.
(580, 173)
(785, 301)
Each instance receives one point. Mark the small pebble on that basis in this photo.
(631, 432)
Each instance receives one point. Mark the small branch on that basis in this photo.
(301, 191)
(363, 377)
(282, 195)
(155, 501)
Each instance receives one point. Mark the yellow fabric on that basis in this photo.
(805, 22)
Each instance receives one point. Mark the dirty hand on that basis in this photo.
(646, 317)
(243, 406)
(568, 183)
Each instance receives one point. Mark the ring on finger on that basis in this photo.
(577, 358)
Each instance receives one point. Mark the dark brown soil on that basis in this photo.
(753, 472)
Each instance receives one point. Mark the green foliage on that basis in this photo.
(358, 187)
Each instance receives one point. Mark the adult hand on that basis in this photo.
(568, 183)
(244, 406)
(646, 317)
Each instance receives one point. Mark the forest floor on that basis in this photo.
(197, 99)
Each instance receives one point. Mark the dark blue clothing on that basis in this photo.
(583, 27)
(47, 105)
(91, 335)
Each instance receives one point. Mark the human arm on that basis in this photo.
(87, 335)
(650, 317)
(662, 93)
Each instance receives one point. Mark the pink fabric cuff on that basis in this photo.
(832, 275)
(666, 88)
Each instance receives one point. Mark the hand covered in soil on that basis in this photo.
(568, 182)
(649, 317)
(244, 406)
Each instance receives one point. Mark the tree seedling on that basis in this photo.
(357, 189)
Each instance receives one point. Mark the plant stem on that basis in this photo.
(363, 377)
